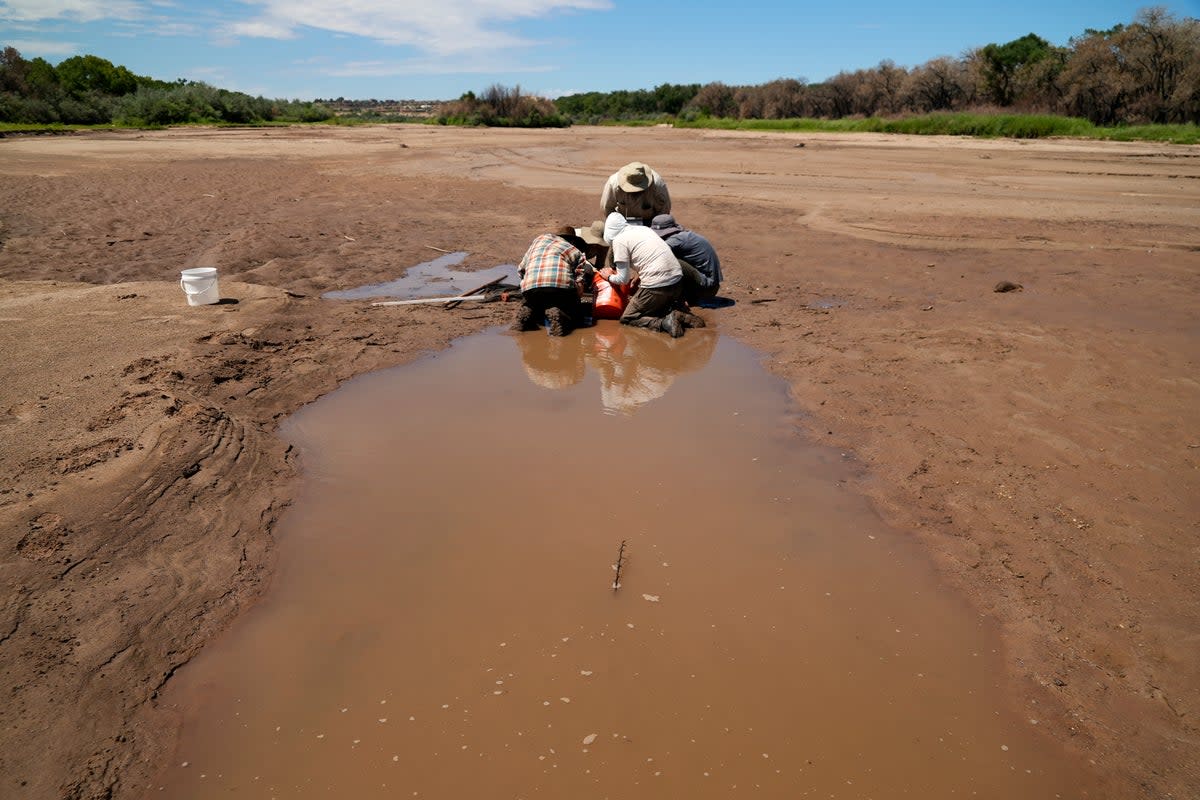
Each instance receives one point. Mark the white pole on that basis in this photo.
(430, 300)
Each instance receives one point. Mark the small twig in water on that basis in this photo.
(619, 564)
(440, 250)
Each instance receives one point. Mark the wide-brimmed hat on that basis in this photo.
(665, 225)
(594, 233)
(634, 177)
(571, 236)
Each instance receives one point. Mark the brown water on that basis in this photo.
(443, 623)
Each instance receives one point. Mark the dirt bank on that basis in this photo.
(1040, 443)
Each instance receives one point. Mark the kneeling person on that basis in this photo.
(552, 274)
(659, 281)
(697, 257)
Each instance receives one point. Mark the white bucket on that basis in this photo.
(200, 286)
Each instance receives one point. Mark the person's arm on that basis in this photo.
(622, 275)
(581, 272)
(621, 258)
(608, 198)
(662, 198)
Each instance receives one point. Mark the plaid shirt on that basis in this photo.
(550, 263)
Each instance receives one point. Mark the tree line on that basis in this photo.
(1144, 72)
(89, 90)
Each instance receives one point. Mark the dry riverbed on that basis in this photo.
(1040, 444)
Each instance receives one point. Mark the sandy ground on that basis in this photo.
(1042, 444)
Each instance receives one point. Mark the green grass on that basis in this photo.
(137, 125)
(1012, 126)
(1175, 134)
(21, 127)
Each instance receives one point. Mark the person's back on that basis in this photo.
(699, 252)
(550, 263)
(701, 265)
(660, 277)
(649, 255)
(551, 275)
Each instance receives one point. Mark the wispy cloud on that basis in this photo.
(262, 28)
(168, 28)
(440, 27)
(42, 47)
(157, 26)
(78, 10)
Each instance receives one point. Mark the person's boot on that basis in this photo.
(524, 320)
(671, 324)
(688, 319)
(558, 325)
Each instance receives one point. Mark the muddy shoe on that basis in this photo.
(557, 324)
(524, 320)
(671, 324)
(689, 320)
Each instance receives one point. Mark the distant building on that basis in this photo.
(382, 108)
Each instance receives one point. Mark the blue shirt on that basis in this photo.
(693, 248)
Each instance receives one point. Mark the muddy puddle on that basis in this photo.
(442, 623)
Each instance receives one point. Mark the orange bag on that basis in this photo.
(610, 300)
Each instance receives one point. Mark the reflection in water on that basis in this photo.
(634, 366)
(552, 362)
(429, 279)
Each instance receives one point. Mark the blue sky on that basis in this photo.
(438, 49)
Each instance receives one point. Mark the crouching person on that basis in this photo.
(697, 258)
(552, 273)
(658, 285)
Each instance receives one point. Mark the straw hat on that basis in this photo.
(634, 177)
(594, 233)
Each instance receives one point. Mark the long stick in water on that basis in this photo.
(620, 563)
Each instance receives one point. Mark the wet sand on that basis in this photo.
(1036, 444)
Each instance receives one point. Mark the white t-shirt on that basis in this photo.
(645, 251)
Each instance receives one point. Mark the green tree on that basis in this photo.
(41, 77)
(81, 74)
(1001, 63)
(670, 98)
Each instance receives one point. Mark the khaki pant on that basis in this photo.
(647, 307)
